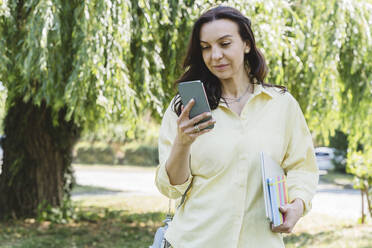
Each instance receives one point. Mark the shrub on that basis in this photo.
(60, 215)
(340, 142)
(130, 154)
(95, 154)
(141, 155)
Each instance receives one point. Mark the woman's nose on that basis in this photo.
(216, 54)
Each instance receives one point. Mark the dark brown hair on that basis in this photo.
(195, 68)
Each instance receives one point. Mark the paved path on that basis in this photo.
(129, 180)
(330, 199)
(335, 201)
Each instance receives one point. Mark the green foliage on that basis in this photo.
(69, 53)
(322, 51)
(120, 52)
(142, 155)
(112, 226)
(146, 131)
(340, 143)
(94, 227)
(107, 61)
(111, 154)
(338, 178)
(3, 94)
(57, 215)
(111, 145)
(95, 154)
(355, 73)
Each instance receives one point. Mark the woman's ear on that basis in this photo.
(247, 48)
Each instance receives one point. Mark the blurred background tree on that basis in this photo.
(75, 67)
(63, 67)
(355, 75)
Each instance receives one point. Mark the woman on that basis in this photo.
(224, 206)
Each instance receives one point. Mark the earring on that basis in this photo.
(246, 51)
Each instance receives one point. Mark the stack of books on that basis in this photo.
(274, 188)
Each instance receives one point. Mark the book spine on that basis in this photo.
(278, 197)
(282, 193)
(270, 207)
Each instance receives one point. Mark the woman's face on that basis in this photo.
(222, 48)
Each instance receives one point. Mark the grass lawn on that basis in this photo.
(100, 222)
(317, 230)
(131, 221)
(338, 178)
(118, 221)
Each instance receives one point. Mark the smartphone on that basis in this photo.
(195, 89)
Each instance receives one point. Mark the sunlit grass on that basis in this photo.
(130, 221)
(97, 228)
(83, 189)
(99, 222)
(338, 178)
(132, 204)
(319, 230)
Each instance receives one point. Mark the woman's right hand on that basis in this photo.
(187, 133)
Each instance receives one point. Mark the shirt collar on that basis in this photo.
(258, 90)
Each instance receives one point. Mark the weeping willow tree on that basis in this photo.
(322, 51)
(337, 42)
(355, 73)
(63, 67)
(70, 66)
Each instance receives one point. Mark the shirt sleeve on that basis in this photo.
(299, 160)
(167, 134)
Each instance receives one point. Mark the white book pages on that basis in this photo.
(269, 169)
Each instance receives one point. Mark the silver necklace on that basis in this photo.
(232, 100)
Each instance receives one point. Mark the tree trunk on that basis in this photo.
(368, 197)
(363, 215)
(36, 168)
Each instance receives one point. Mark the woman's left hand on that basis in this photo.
(292, 212)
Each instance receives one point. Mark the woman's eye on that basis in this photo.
(204, 47)
(225, 44)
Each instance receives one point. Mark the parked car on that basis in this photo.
(324, 157)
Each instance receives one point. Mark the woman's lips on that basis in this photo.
(220, 67)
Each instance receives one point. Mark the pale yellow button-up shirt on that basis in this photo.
(225, 206)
